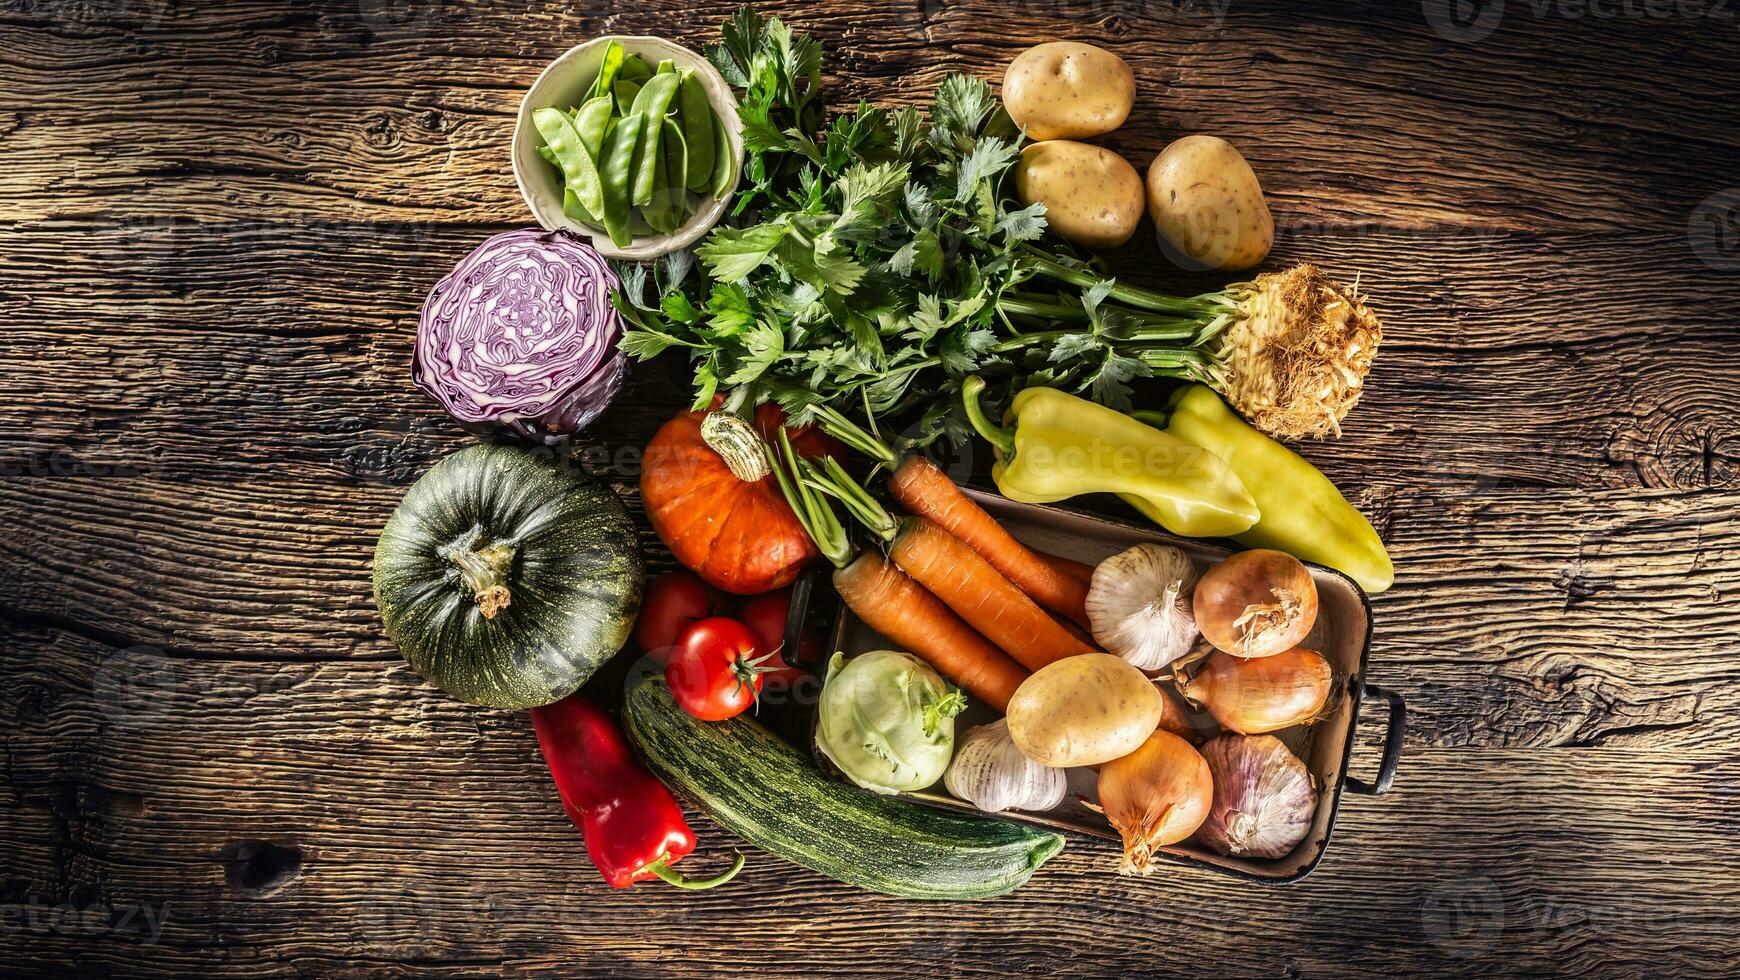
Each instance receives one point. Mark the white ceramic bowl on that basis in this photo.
(563, 84)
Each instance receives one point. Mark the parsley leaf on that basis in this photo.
(1024, 225)
(732, 253)
(762, 345)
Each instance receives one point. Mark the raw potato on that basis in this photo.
(1093, 197)
(1066, 90)
(1208, 207)
(1083, 710)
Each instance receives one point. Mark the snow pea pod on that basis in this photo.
(626, 93)
(608, 70)
(698, 123)
(653, 102)
(635, 69)
(572, 207)
(723, 164)
(670, 200)
(578, 170)
(591, 121)
(617, 169)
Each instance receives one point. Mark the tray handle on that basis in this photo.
(796, 614)
(1398, 724)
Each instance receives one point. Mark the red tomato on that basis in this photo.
(714, 672)
(765, 615)
(674, 602)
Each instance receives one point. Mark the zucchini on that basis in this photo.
(762, 789)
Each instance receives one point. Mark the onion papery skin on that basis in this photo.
(1264, 797)
(1256, 603)
(1252, 697)
(1155, 797)
(522, 335)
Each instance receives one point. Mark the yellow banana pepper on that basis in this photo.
(1302, 512)
(1059, 446)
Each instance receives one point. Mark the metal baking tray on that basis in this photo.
(1342, 634)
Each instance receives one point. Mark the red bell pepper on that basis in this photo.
(633, 827)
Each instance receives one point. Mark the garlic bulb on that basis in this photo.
(989, 772)
(1139, 605)
(1264, 797)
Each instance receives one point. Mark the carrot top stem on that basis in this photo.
(831, 478)
(807, 504)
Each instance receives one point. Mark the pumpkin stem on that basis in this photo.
(483, 569)
(737, 444)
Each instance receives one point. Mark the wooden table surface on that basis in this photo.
(220, 220)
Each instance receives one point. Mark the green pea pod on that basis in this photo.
(572, 207)
(549, 156)
(617, 169)
(626, 93)
(698, 125)
(591, 121)
(724, 166)
(578, 169)
(635, 69)
(654, 101)
(608, 70)
(666, 66)
(670, 200)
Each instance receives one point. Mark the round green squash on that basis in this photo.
(506, 577)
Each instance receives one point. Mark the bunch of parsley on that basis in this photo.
(873, 260)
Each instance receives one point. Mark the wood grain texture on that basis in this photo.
(218, 223)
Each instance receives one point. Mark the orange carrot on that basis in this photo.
(1079, 570)
(928, 492)
(901, 610)
(979, 594)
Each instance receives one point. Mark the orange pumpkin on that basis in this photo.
(718, 517)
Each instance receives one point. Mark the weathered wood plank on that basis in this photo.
(218, 222)
(277, 573)
(289, 346)
(135, 800)
(400, 110)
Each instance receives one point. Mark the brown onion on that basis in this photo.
(1256, 603)
(1155, 796)
(1264, 797)
(1263, 695)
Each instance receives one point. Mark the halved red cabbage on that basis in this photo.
(522, 334)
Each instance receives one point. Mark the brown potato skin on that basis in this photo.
(1208, 206)
(1068, 90)
(1083, 711)
(1092, 196)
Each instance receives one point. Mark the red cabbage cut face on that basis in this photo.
(522, 335)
